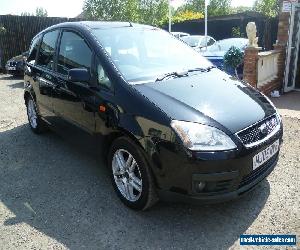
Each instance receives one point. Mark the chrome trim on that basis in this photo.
(252, 125)
(275, 131)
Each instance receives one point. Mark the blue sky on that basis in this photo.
(63, 8)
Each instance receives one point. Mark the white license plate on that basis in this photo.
(11, 68)
(263, 156)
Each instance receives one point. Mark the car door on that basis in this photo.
(74, 101)
(41, 73)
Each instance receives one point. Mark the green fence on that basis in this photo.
(19, 31)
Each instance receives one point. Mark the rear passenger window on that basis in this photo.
(33, 50)
(73, 53)
(47, 50)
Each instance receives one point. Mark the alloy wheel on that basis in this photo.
(32, 115)
(127, 175)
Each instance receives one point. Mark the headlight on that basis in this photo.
(200, 137)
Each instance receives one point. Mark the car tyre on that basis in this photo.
(131, 175)
(36, 124)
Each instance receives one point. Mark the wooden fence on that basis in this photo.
(19, 31)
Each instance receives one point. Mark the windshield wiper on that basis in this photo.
(172, 74)
(202, 69)
(182, 73)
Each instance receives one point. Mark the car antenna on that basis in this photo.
(130, 24)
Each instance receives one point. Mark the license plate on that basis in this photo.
(263, 156)
(11, 68)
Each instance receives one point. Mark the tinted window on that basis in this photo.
(73, 53)
(47, 49)
(33, 50)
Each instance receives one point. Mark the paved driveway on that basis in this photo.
(289, 104)
(56, 195)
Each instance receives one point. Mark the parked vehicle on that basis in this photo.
(15, 65)
(177, 128)
(179, 34)
(198, 42)
(216, 52)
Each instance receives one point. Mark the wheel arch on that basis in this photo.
(139, 141)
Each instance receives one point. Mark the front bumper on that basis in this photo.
(227, 175)
(221, 197)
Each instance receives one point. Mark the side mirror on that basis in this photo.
(79, 75)
(25, 54)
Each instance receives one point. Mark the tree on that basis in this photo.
(215, 7)
(219, 7)
(39, 11)
(240, 9)
(233, 58)
(114, 10)
(154, 12)
(142, 11)
(267, 7)
(181, 16)
(27, 14)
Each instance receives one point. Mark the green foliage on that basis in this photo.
(39, 11)
(269, 8)
(181, 16)
(233, 58)
(219, 7)
(236, 32)
(27, 14)
(240, 9)
(142, 11)
(153, 12)
(215, 7)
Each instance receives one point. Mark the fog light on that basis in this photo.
(199, 186)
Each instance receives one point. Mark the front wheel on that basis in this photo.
(35, 122)
(131, 175)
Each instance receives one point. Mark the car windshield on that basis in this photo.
(224, 45)
(145, 53)
(194, 41)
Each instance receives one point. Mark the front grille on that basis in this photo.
(12, 64)
(258, 172)
(259, 131)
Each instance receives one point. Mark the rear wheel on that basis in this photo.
(131, 175)
(35, 122)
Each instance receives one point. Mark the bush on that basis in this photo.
(233, 58)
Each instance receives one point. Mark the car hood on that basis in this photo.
(213, 98)
(218, 54)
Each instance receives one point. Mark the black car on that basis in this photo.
(15, 65)
(177, 128)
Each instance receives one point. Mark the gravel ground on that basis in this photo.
(54, 195)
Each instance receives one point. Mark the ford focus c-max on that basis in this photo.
(176, 127)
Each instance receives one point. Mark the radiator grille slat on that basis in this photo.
(259, 131)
